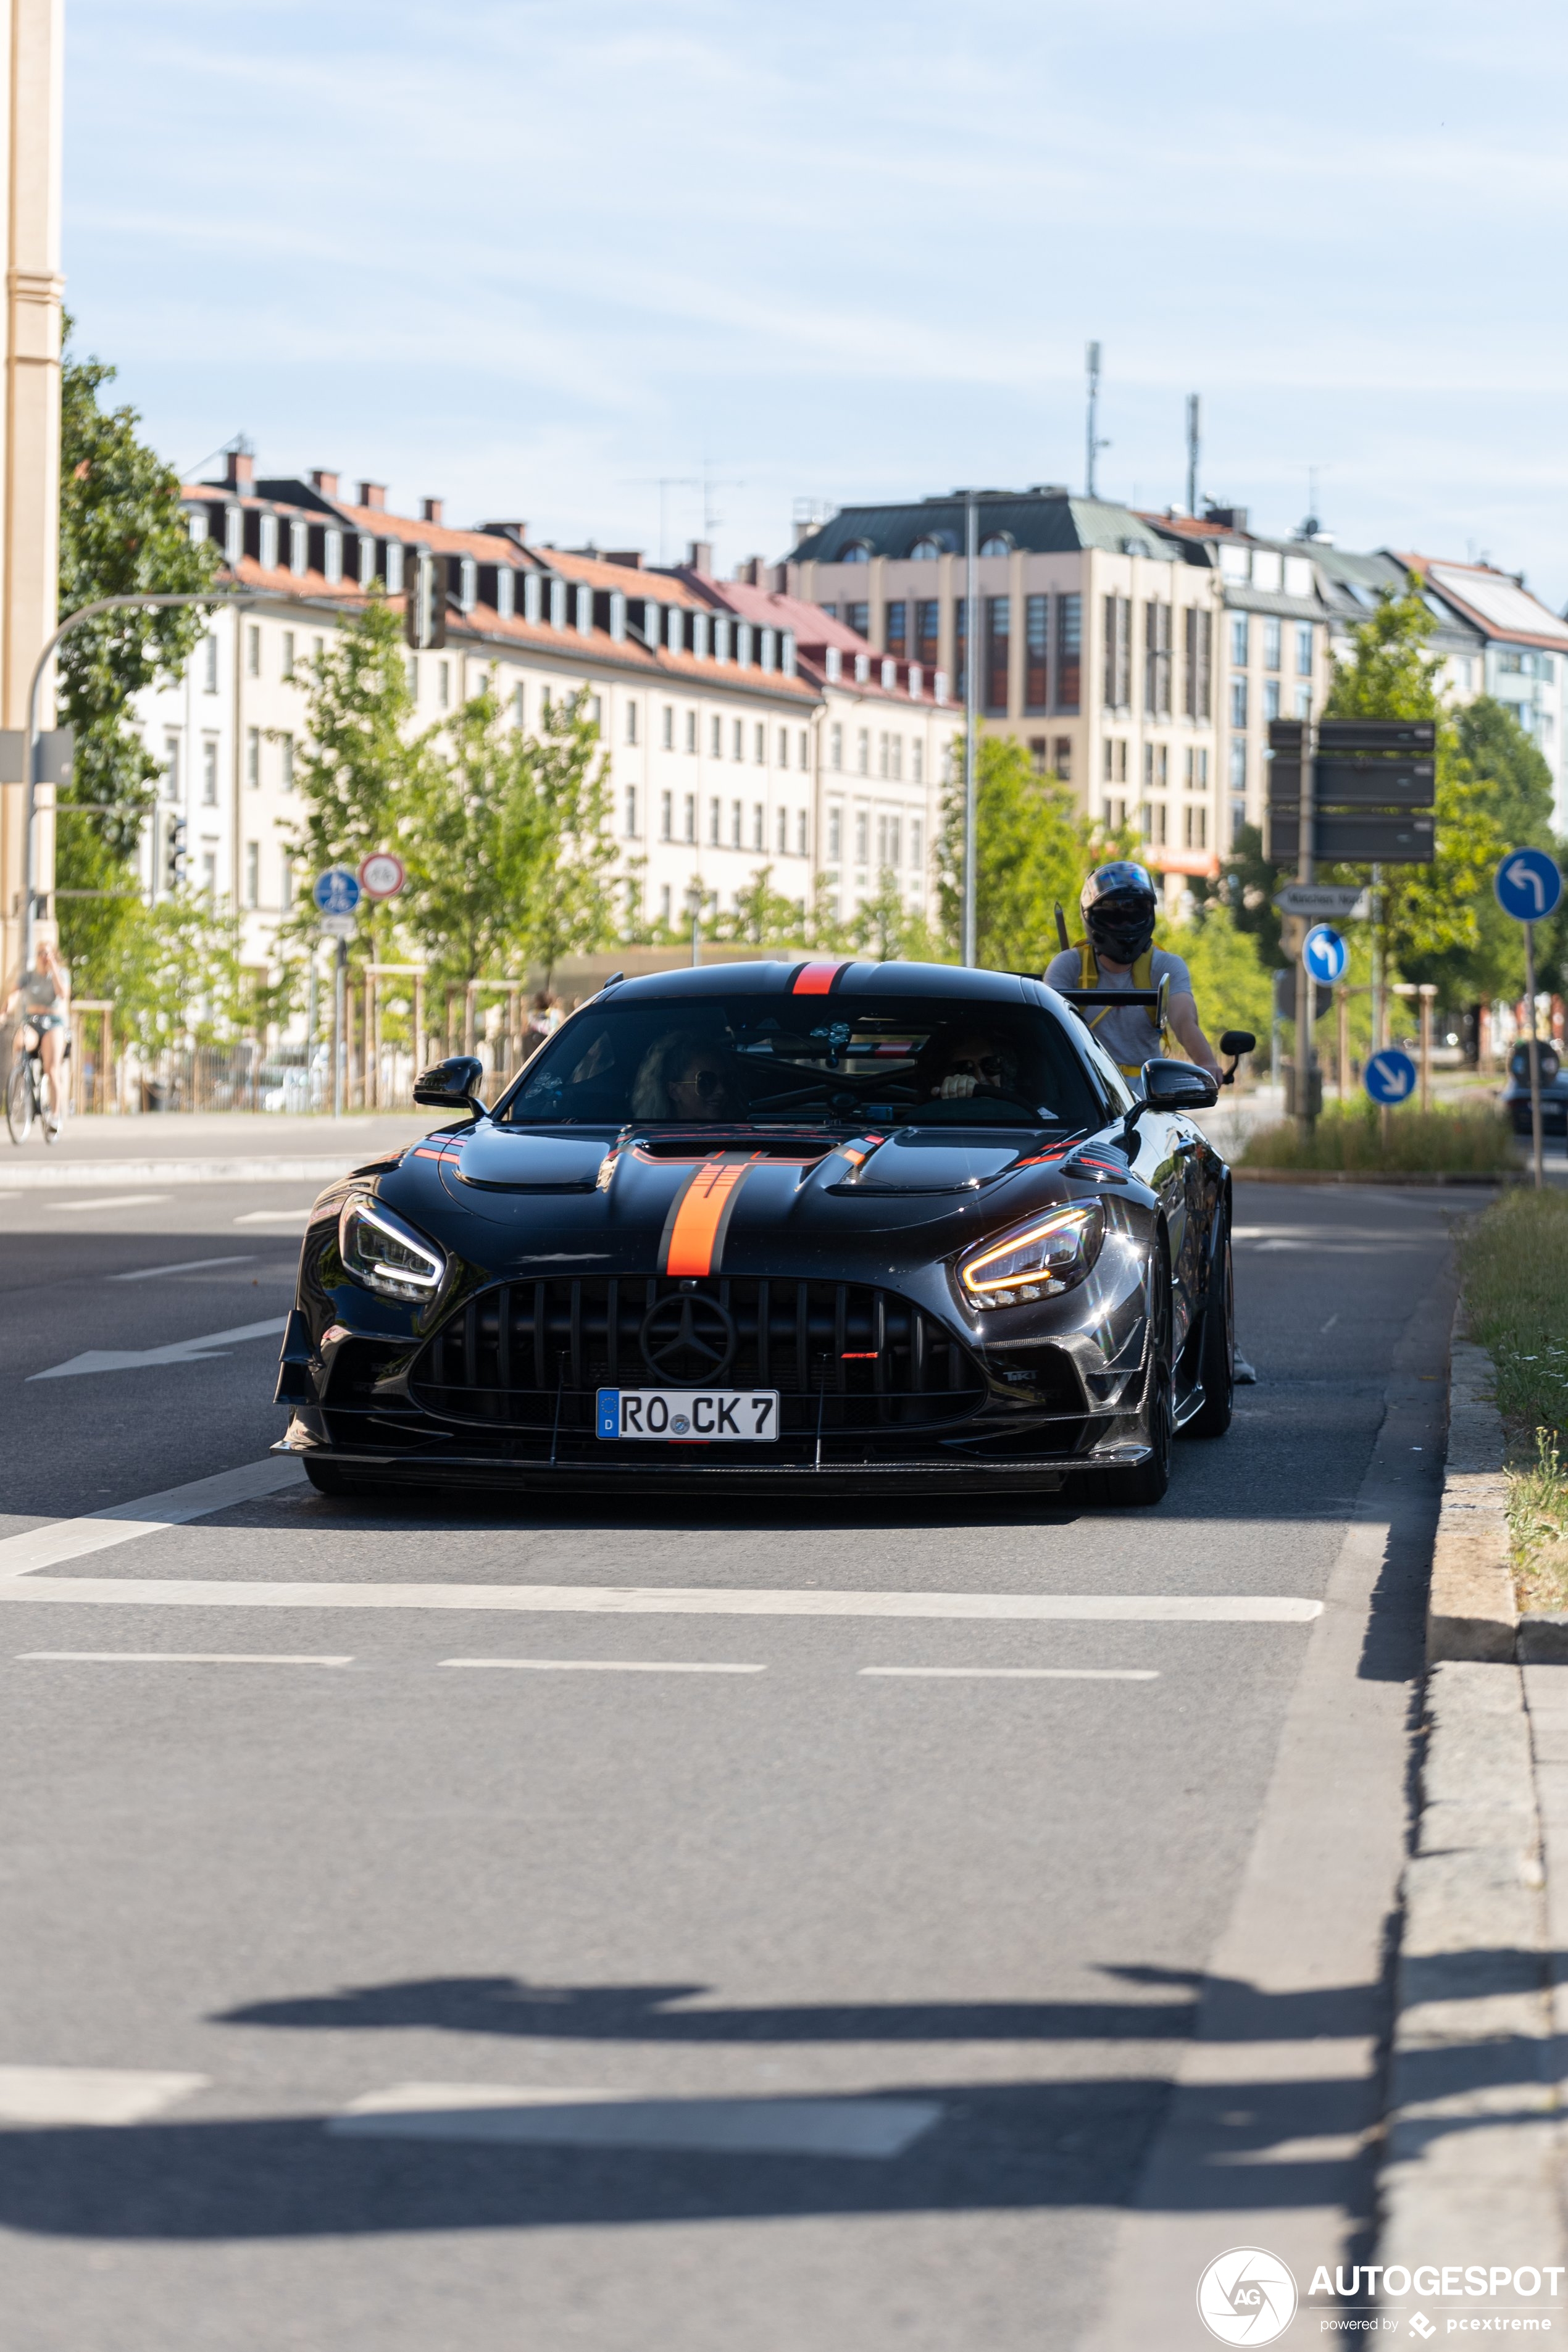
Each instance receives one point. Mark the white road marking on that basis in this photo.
(1023, 1674)
(617, 1600)
(1279, 1241)
(180, 1658)
(176, 1507)
(178, 1351)
(603, 1666)
(507, 2117)
(273, 1217)
(186, 1265)
(88, 2094)
(118, 1200)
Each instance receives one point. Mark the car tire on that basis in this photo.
(327, 1478)
(1136, 1489)
(1216, 1357)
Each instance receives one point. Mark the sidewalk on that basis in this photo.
(206, 1147)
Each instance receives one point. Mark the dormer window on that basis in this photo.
(998, 544)
(743, 644)
(197, 524)
(269, 543)
(506, 591)
(394, 567)
(786, 657)
(299, 549)
(672, 629)
(767, 649)
(721, 637)
(558, 604)
(333, 564)
(926, 551)
(233, 533)
(532, 597)
(700, 636)
(367, 560)
(468, 583)
(835, 663)
(862, 669)
(857, 552)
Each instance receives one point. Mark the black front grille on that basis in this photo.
(845, 1357)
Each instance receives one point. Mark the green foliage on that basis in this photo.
(1034, 850)
(569, 910)
(1230, 985)
(1246, 888)
(1517, 784)
(121, 529)
(1513, 1264)
(761, 916)
(181, 981)
(472, 831)
(1475, 1141)
(885, 928)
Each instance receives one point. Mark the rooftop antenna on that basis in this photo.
(1093, 442)
(1313, 523)
(1193, 446)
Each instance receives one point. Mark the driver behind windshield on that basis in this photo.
(685, 1075)
(969, 1062)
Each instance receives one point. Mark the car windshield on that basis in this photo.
(781, 1060)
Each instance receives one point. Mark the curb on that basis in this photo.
(1378, 1176)
(47, 1175)
(1470, 1609)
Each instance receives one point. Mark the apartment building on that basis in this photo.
(722, 714)
(1096, 643)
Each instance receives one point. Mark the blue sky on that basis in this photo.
(534, 257)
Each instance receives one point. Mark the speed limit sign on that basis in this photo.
(382, 874)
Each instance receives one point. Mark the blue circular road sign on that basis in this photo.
(1528, 884)
(1390, 1075)
(337, 891)
(1326, 956)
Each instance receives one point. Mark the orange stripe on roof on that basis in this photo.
(694, 1235)
(817, 979)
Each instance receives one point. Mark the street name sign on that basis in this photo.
(1323, 900)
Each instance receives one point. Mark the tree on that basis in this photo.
(762, 916)
(884, 927)
(1500, 757)
(1230, 985)
(357, 767)
(121, 529)
(1244, 888)
(474, 830)
(569, 909)
(1034, 850)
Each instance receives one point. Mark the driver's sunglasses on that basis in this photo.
(983, 1066)
(708, 1083)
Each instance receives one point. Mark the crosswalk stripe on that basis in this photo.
(504, 2115)
(176, 1507)
(90, 2094)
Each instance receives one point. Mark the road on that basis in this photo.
(748, 1972)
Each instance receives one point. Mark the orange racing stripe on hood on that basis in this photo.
(694, 1237)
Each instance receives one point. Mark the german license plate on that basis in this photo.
(690, 1416)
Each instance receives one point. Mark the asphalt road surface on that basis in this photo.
(942, 1925)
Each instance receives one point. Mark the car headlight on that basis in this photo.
(388, 1256)
(1036, 1260)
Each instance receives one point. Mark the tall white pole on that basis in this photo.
(970, 717)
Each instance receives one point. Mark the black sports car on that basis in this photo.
(849, 1222)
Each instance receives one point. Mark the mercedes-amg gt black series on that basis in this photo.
(842, 1223)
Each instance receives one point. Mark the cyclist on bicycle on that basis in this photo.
(42, 997)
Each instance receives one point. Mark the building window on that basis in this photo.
(859, 619)
(268, 542)
(1271, 635)
(835, 748)
(1037, 621)
(927, 622)
(1069, 652)
(285, 762)
(805, 750)
(1241, 641)
(784, 832)
(631, 723)
(1062, 763)
(1303, 702)
(862, 835)
(714, 818)
(960, 646)
(734, 825)
(884, 754)
(895, 855)
(836, 833)
(516, 706)
(691, 730)
(800, 839)
(666, 814)
(1304, 650)
(1157, 659)
(863, 752)
(784, 747)
(209, 771)
(667, 728)
(898, 767)
(412, 672)
(998, 641)
(288, 652)
(1238, 767)
(1195, 822)
(1200, 663)
(917, 761)
(690, 813)
(253, 873)
(737, 739)
(1118, 653)
(716, 738)
(443, 684)
(760, 745)
(915, 841)
(1198, 770)
(253, 652)
(286, 882)
(1239, 703)
(896, 630)
(1270, 697)
(631, 811)
(253, 756)
(758, 820)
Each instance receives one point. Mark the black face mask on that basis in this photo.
(1122, 931)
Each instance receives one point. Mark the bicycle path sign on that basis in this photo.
(337, 891)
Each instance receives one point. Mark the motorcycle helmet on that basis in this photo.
(1120, 904)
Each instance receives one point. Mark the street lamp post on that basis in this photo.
(971, 718)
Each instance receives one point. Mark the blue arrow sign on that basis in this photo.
(337, 891)
(1390, 1075)
(1528, 884)
(1326, 956)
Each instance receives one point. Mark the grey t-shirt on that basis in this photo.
(1129, 1037)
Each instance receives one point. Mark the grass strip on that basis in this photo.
(1515, 1264)
(1473, 1141)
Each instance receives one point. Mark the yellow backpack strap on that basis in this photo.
(1088, 977)
(1143, 978)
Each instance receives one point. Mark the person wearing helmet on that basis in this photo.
(1117, 951)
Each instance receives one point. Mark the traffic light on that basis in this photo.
(425, 604)
(175, 853)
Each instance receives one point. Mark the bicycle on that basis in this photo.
(31, 1093)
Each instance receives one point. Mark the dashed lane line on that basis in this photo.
(1017, 1673)
(185, 1266)
(175, 1658)
(604, 1665)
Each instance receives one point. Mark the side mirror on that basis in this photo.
(1178, 1086)
(452, 1085)
(1235, 1041)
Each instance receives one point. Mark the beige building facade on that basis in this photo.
(31, 70)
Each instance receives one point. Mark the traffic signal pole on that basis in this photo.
(1305, 871)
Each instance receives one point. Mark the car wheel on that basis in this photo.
(1135, 1489)
(1216, 1358)
(327, 1478)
